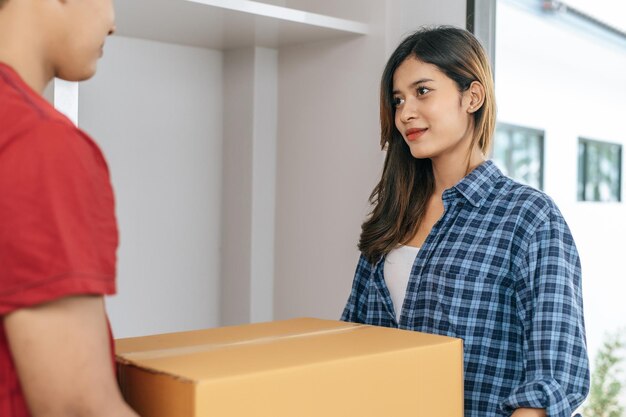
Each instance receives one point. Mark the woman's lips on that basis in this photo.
(414, 134)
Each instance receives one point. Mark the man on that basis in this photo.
(58, 233)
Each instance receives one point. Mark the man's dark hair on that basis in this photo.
(2, 2)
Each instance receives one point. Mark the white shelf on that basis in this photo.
(228, 24)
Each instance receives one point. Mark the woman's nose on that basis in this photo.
(408, 111)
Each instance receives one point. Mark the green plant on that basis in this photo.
(606, 386)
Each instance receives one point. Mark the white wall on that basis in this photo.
(329, 158)
(405, 16)
(249, 182)
(327, 165)
(570, 83)
(180, 176)
(156, 110)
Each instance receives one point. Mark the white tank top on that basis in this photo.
(397, 269)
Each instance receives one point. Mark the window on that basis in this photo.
(599, 171)
(518, 151)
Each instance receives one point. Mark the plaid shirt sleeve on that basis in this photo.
(358, 296)
(549, 306)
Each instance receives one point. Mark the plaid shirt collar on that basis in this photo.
(478, 184)
(474, 187)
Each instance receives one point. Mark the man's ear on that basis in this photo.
(476, 93)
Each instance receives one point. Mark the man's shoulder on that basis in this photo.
(23, 112)
(23, 125)
(27, 131)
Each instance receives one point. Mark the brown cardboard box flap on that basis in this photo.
(316, 364)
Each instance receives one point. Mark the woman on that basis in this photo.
(453, 247)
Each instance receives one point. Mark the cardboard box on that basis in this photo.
(293, 368)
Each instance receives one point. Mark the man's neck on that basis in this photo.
(21, 49)
(29, 71)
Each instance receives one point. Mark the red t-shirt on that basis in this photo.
(58, 233)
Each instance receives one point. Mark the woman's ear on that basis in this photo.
(476, 93)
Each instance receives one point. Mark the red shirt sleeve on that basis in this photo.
(58, 233)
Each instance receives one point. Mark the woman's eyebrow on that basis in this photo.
(415, 84)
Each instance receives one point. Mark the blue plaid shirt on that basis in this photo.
(499, 270)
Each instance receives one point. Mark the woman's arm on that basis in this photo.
(550, 311)
(357, 298)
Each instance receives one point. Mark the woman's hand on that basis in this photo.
(529, 412)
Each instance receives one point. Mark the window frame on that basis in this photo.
(480, 19)
(582, 170)
(542, 147)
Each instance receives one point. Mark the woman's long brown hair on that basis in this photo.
(400, 198)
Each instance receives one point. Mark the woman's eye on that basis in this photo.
(422, 90)
(397, 101)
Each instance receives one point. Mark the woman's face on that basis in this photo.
(433, 117)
